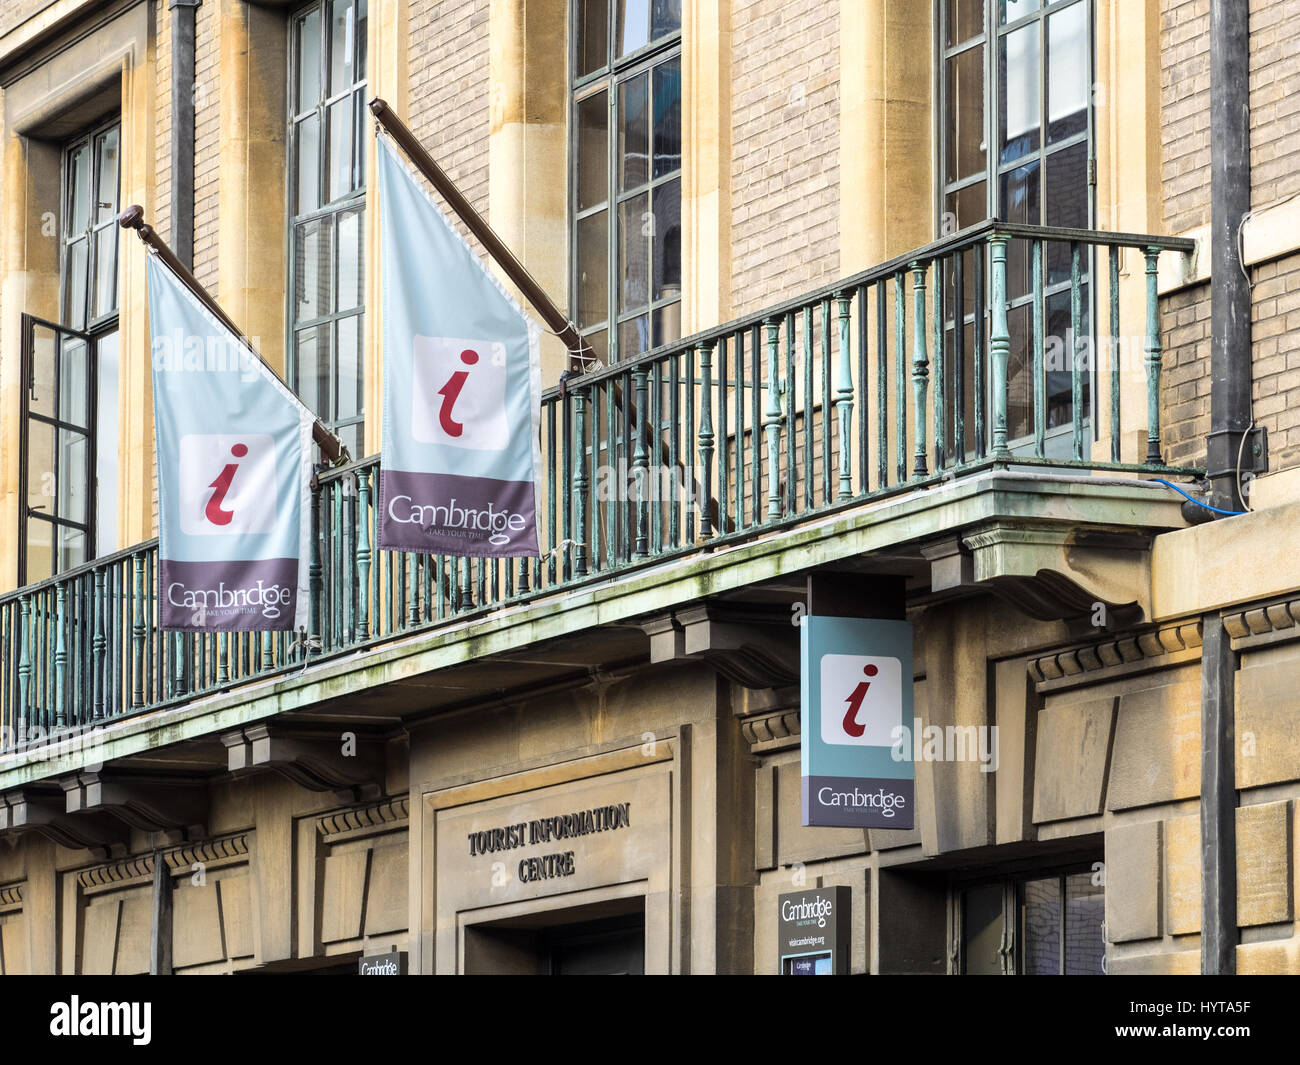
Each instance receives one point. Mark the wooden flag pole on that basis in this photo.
(133, 218)
(580, 352)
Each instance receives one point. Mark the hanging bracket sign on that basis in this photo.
(856, 693)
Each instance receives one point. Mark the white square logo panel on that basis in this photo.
(459, 393)
(227, 484)
(861, 700)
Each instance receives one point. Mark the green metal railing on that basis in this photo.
(933, 366)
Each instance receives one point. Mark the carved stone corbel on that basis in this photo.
(45, 813)
(1051, 574)
(150, 803)
(755, 646)
(311, 760)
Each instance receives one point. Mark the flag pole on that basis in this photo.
(580, 351)
(331, 447)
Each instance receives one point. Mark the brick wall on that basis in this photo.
(785, 143)
(1185, 112)
(1274, 100)
(449, 90)
(207, 145)
(1185, 376)
(1275, 315)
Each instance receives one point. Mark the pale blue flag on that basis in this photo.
(234, 450)
(462, 387)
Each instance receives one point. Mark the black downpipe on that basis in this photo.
(182, 146)
(1218, 800)
(1230, 353)
(1230, 420)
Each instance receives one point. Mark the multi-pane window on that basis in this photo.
(626, 192)
(1015, 143)
(70, 376)
(1034, 924)
(327, 183)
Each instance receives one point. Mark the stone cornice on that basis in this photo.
(1117, 656)
(139, 867)
(11, 895)
(364, 820)
(775, 730)
(1256, 626)
(208, 851)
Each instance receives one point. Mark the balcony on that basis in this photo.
(877, 411)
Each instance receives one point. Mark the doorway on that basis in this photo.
(606, 939)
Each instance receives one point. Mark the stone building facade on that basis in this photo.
(597, 768)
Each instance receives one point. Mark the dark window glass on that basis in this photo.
(593, 151)
(1085, 915)
(634, 225)
(634, 132)
(964, 19)
(965, 119)
(666, 18)
(1020, 195)
(593, 52)
(593, 268)
(982, 929)
(1040, 926)
(966, 207)
(667, 118)
(1067, 205)
(1062, 349)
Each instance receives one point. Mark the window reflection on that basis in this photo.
(327, 161)
(627, 283)
(1021, 71)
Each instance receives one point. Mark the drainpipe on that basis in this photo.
(1218, 800)
(1230, 354)
(160, 931)
(182, 147)
(1230, 420)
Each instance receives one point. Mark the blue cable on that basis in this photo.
(1193, 499)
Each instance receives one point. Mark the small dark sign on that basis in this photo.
(392, 964)
(814, 930)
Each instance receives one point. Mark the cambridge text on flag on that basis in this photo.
(462, 388)
(234, 474)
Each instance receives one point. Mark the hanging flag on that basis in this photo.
(234, 474)
(462, 388)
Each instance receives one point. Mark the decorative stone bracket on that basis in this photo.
(1051, 574)
(755, 646)
(46, 813)
(313, 761)
(171, 805)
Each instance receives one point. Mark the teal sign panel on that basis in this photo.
(856, 696)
